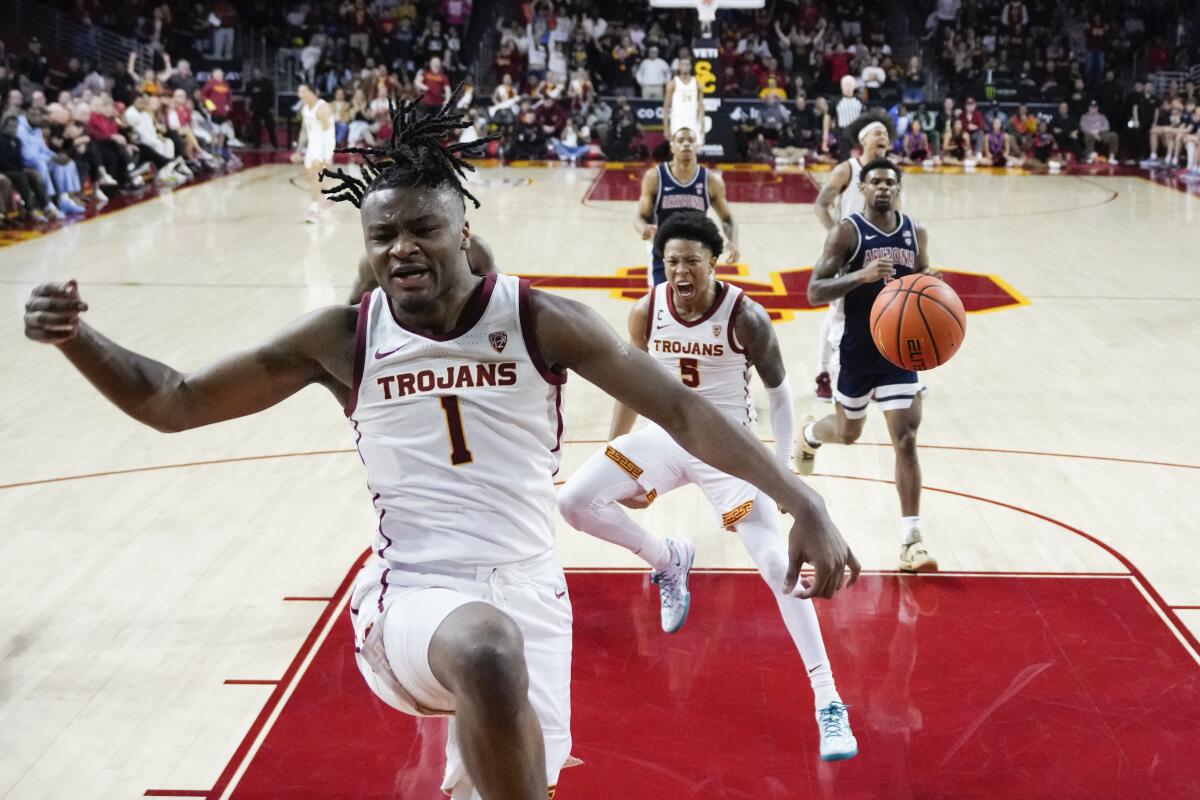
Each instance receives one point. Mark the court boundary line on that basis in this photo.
(341, 451)
(242, 756)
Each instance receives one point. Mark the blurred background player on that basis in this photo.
(871, 134)
(315, 148)
(681, 185)
(861, 254)
(683, 103)
(709, 334)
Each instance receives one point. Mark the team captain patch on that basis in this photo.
(730, 518)
(624, 463)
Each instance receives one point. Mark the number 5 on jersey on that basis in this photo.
(689, 372)
(459, 452)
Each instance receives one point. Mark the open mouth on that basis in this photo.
(411, 276)
(685, 288)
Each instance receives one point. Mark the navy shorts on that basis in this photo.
(893, 390)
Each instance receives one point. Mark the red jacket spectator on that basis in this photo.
(809, 16)
(217, 96)
(839, 65)
(456, 12)
(102, 128)
(434, 82)
(551, 117)
(973, 117)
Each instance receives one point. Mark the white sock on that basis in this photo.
(588, 503)
(825, 348)
(759, 532)
(810, 436)
(910, 529)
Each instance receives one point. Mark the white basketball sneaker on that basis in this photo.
(672, 584)
(837, 740)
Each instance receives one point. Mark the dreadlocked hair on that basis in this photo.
(415, 155)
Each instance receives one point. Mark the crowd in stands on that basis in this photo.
(562, 78)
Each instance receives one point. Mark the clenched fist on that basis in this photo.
(52, 313)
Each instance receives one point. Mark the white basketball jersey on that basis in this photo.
(684, 113)
(459, 433)
(312, 125)
(703, 352)
(852, 200)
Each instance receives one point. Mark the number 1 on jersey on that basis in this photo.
(459, 453)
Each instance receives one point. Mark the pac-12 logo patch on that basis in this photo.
(498, 340)
(717, 331)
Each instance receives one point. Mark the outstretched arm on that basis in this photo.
(575, 337)
(756, 334)
(317, 348)
(716, 196)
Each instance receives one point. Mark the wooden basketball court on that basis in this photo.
(172, 607)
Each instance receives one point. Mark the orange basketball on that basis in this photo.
(918, 322)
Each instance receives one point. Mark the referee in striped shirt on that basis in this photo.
(847, 109)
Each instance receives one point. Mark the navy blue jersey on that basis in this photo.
(672, 198)
(858, 351)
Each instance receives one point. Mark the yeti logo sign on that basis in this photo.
(915, 353)
(498, 340)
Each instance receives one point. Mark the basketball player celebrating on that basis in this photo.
(861, 254)
(709, 334)
(683, 102)
(452, 383)
(479, 259)
(681, 185)
(315, 148)
(839, 197)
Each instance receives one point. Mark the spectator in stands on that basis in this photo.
(572, 143)
(872, 77)
(915, 147)
(33, 65)
(222, 17)
(556, 64)
(1043, 152)
(801, 133)
(261, 93)
(1095, 128)
(115, 150)
(549, 87)
(1065, 130)
(363, 124)
(1023, 126)
(772, 89)
(771, 118)
(58, 173)
(527, 141)
(627, 141)
(974, 123)
(998, 149)
(1097, 44)
(956, 144)
(505, 100)
(652, 75)
(623, 67)
(179, 126)
(27, 182)
(152, 146)
(434, 84)
(551, 117)
(580, 92)
(217, 97)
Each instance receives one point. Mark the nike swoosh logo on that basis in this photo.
(560, 595)
(814, 669)
(379, 355)
(660, 327)
(869, 238)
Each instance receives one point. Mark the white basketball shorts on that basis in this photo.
(656, 461)
(396, 613)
